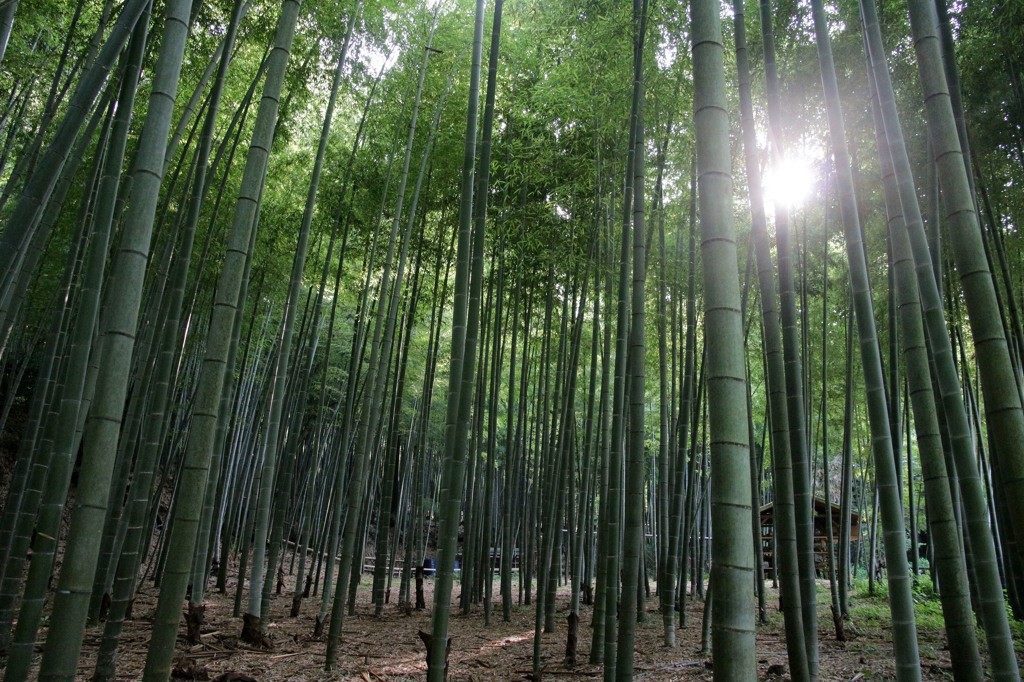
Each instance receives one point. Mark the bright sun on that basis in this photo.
(792, 184)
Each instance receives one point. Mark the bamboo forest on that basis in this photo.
(511, 340)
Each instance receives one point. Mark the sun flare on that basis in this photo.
(791, 184)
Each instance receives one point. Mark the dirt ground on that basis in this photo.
(388, 647)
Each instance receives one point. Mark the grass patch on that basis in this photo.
(872, 609)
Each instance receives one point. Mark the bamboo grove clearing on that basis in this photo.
(349, 316)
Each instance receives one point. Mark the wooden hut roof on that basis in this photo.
(819, 506)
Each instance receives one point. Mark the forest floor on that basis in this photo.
(389, 648)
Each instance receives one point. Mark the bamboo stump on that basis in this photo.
(252, 632)
(571, 640)
(318, 628)
(194, 620)
(421, 603)
(837, 621)
(428, 639)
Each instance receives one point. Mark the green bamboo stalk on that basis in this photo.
(633, 531)
(459, 398)
(117, 337)
(976, 515)
(6, 22)
(211, 380)
(511, 461)
(44, 485)
(796, 406)
(846, 494)
(732, 608)
(901, 604)
(270, 483)
(384, 525)
(68, 436)
(1001, 398)
(785, 558)
(23, 221)
(44, 408)
(616, 483)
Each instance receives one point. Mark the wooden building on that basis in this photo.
(821, 511)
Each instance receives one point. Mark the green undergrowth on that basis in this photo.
(1017, 632)
(871, 609)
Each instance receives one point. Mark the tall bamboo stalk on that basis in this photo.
(901, 603)
(732, 608)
